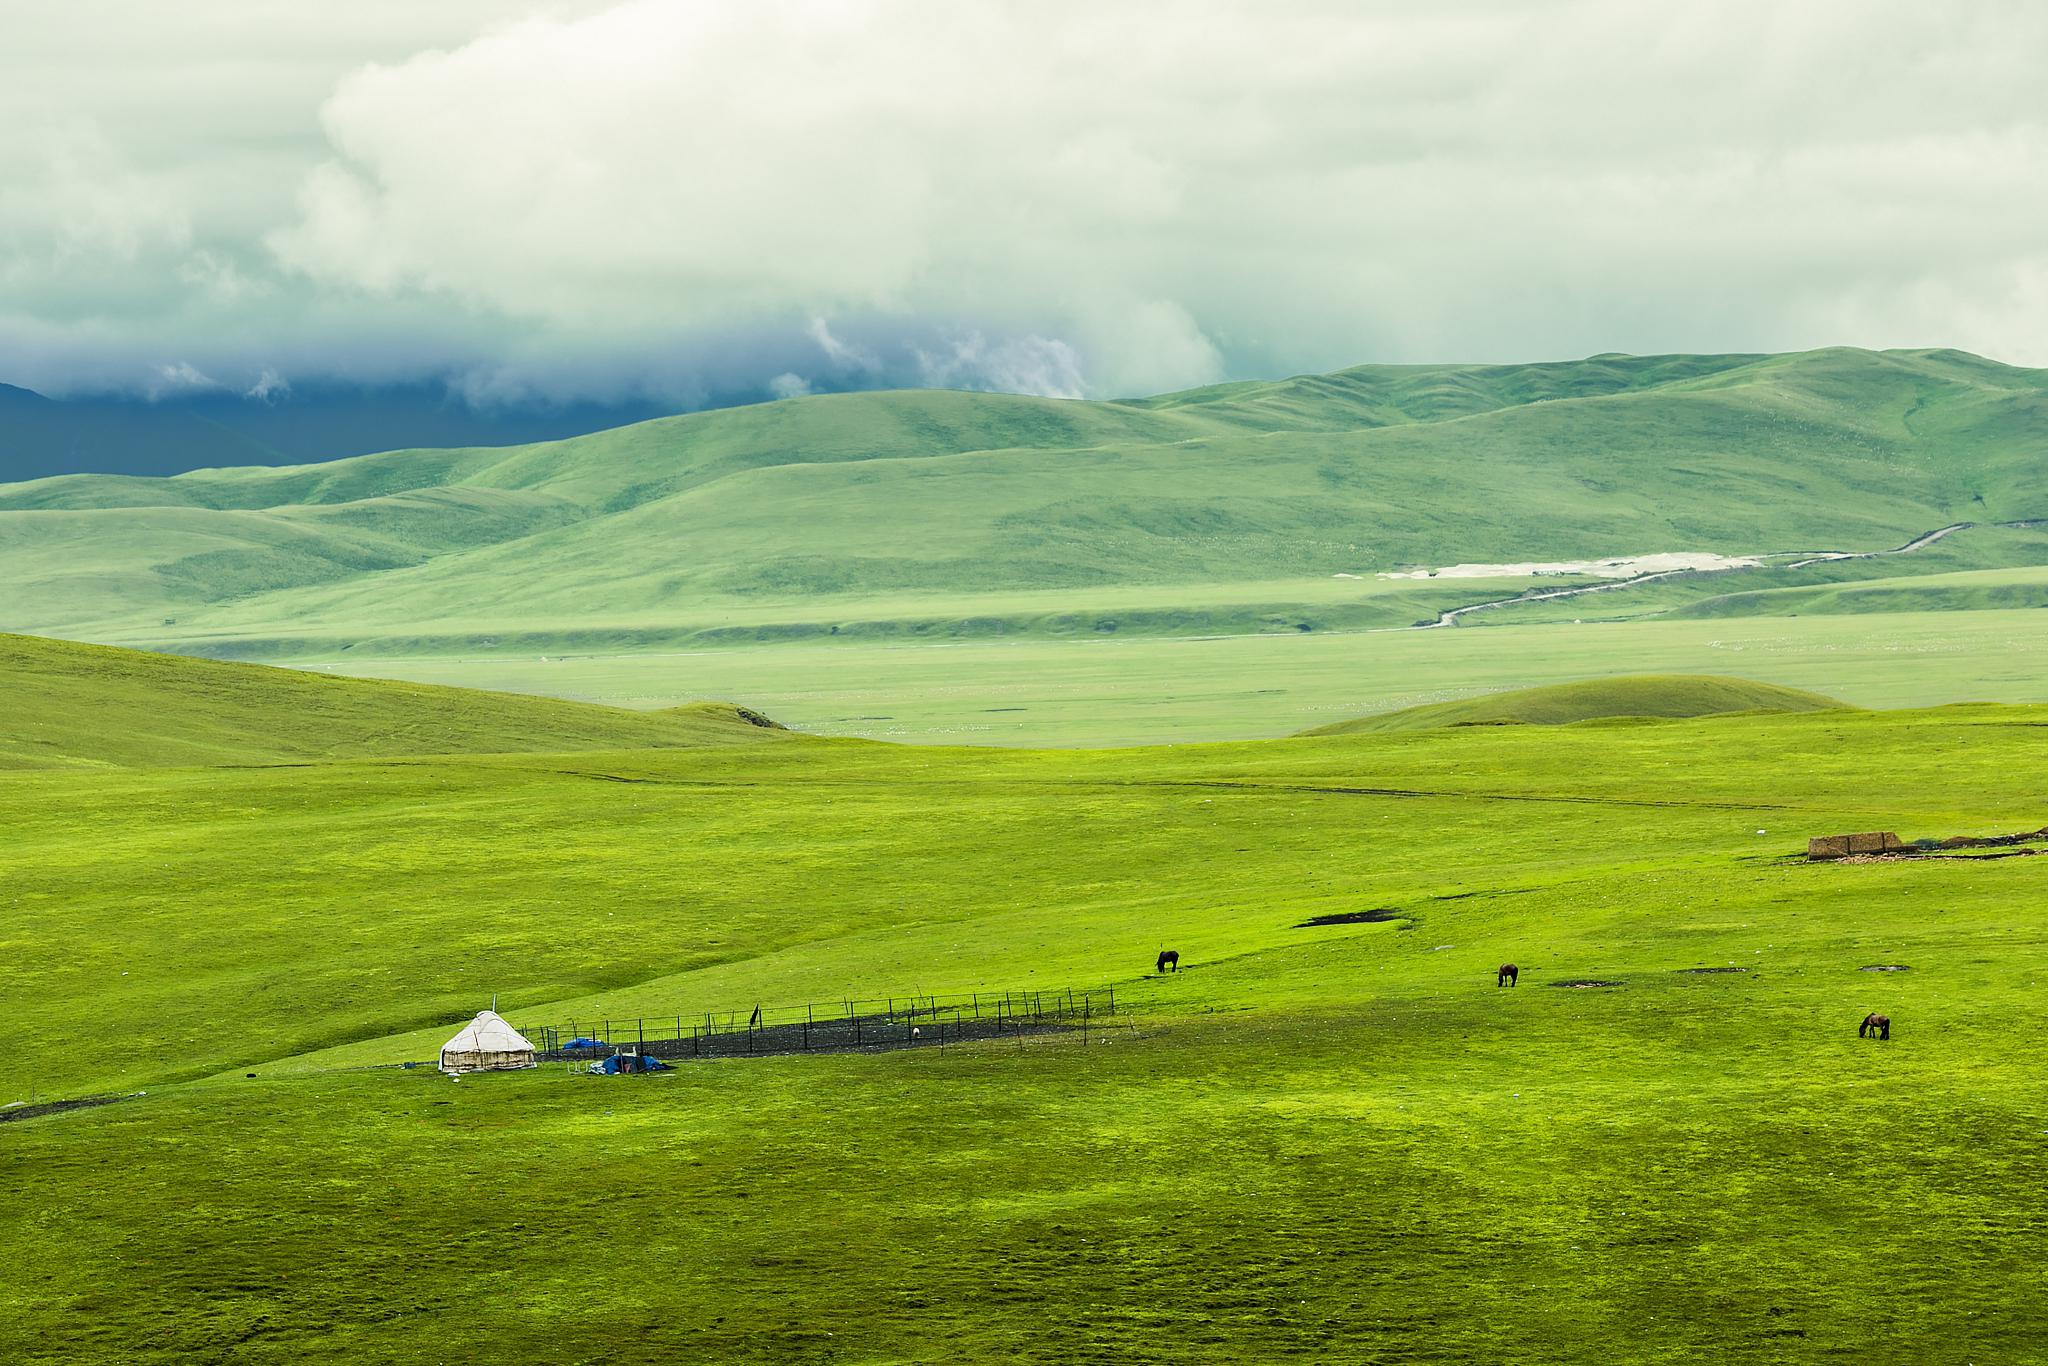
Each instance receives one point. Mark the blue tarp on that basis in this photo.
(628, 1062)
(582, 1043)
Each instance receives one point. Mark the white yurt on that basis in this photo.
(486, 1044)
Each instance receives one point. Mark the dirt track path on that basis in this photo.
(1920, 543)
(1450, 618)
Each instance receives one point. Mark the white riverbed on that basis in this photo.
(1622, 567)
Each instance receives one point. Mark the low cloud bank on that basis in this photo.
(734, 197)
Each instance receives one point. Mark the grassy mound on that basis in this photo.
(71, 705)
(1668, 696)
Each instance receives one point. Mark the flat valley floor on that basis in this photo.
(1168, 690)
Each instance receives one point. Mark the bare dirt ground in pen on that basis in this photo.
(861, 1033)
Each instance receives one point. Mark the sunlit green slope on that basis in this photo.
(69, 705)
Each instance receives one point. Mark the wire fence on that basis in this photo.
(829, 1027)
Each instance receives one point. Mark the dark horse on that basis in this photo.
(1507, 975)
(1169, 958)
(1875, 1026)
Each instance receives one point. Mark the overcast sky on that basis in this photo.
(705, 199)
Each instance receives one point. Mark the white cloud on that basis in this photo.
(843, 355)
(180, 377)
(1018, 365)
(269, 385)
(1310, 186)
(78, 209)
(1089, 198)
(788, 385)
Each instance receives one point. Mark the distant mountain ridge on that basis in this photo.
(789, 510)
(41, 437)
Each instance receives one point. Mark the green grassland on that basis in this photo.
(1332, 1142)
(898, 514)
(1337, 1143)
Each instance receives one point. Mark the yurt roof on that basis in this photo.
(488, 1033)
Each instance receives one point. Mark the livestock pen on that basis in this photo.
(846, 1025)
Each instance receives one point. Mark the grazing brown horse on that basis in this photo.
(1507, 975)
(1875, 1026)
(1168, 958)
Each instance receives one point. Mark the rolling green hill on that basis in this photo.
(1662, 696)
(800, 517)
(69, 705)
